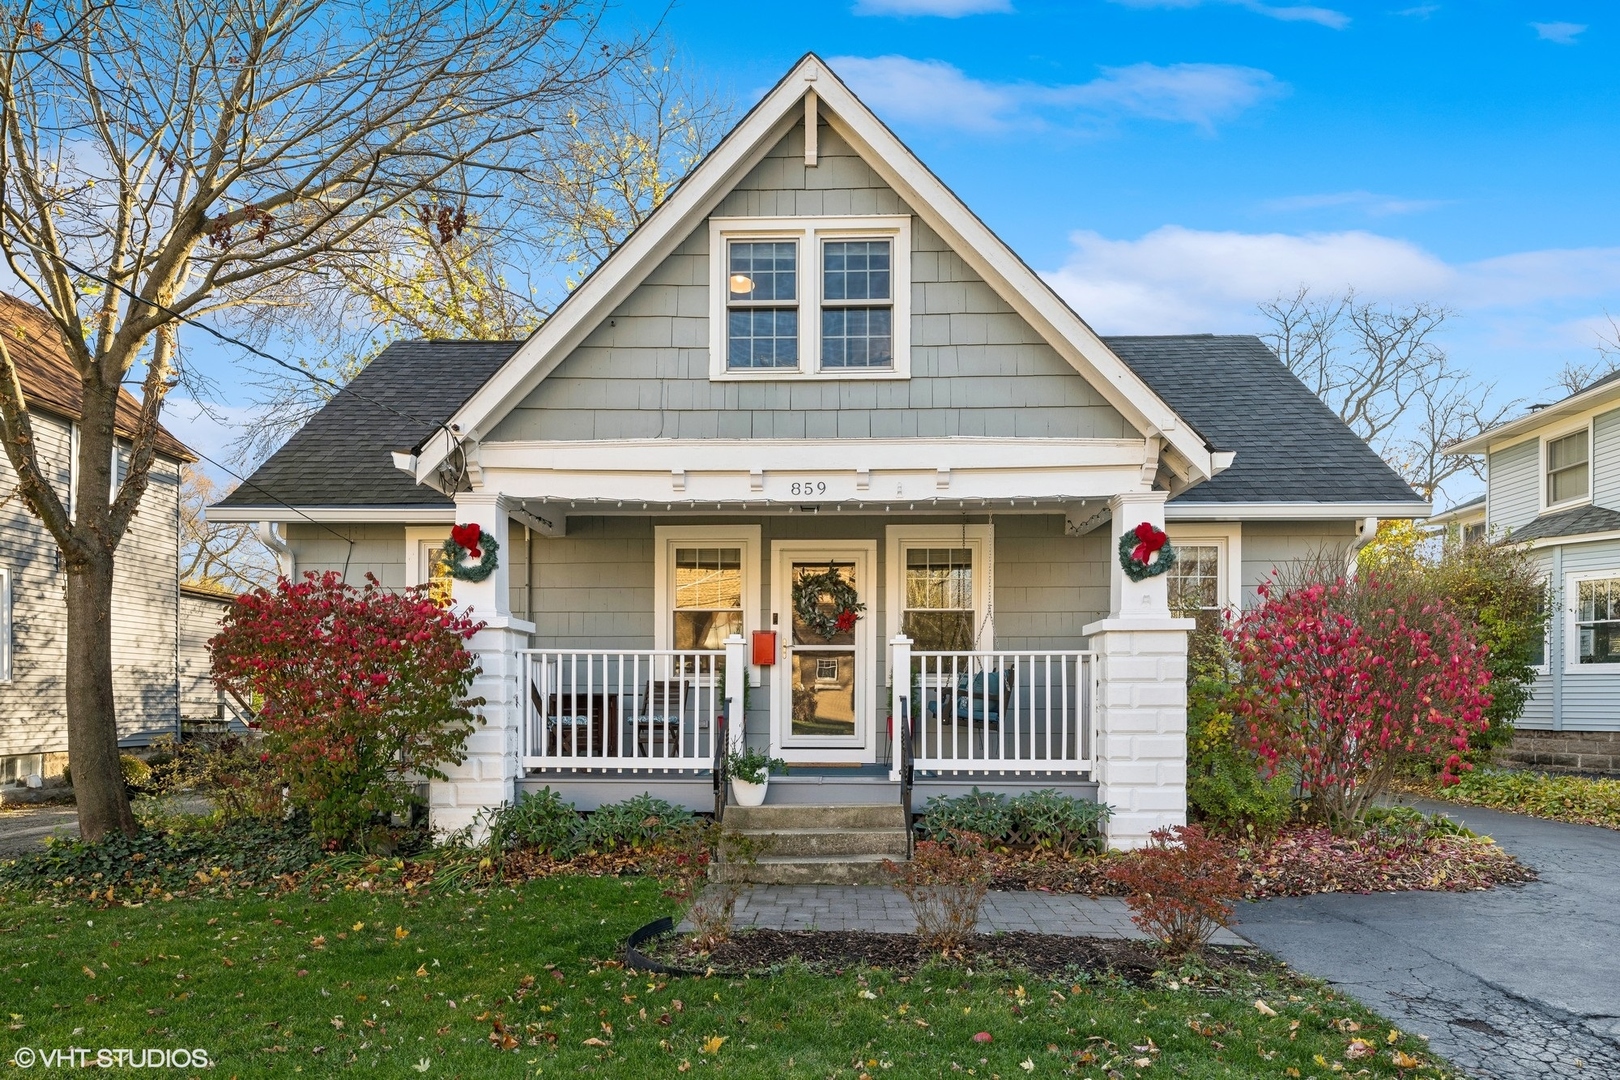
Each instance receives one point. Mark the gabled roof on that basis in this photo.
(1289, 450)
(698, 195)
(49, 381)
(1580, 521)
(1290, 447)
(343, 456)
(1606, 391)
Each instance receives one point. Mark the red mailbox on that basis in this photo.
(764, 647)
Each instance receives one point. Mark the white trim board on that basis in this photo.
(346, 515)
(1292, 511)
(930, 199)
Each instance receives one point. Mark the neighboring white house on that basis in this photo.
(149, 615)
(1553, 482)
(814, 360)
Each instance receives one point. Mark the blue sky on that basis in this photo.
(1168, 164)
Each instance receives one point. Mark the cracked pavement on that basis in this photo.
(1518, 982)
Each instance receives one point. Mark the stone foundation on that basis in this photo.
(1564, 751)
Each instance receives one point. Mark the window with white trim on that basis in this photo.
(938, 586)
(5, 625)
(1194, 584)
(706, 583)
(810, 297)
(1568, 465)
(1596, 639)
(1540, 647)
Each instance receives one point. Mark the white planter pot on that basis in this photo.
(745, 794)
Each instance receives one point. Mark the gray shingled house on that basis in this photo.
(814, 461)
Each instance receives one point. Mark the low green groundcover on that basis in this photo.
(524, 982)
(1577, 799)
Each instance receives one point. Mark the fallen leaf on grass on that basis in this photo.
(1404, 1060)
(594, 1042)
(1360, 1048)
(713, 1043)
(1263, 1008)
(982, 1037)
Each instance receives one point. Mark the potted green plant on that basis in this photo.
(750, 773)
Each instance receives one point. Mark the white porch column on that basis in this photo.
(1140, 753)
(900, 705)
(736, 693)
(487, 778)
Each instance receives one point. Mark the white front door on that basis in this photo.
(824, 699)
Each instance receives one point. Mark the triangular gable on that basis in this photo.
(696, 198)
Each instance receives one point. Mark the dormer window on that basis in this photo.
(810, 298)
(1568, 463)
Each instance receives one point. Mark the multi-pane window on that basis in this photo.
(708, 596)
(1569, 468)
(938, 611)
(762, 310)
(1194, 584)
(1597, 621)
(857, 296)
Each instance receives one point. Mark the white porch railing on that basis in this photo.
(1002, 711)
(590, 709)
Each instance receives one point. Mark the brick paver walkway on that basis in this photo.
(883, 910)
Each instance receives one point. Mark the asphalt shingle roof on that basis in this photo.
(343, 456)
(1290, 447)
(1576, 522)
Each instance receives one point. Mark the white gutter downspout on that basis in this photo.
(1364, 535)
(283, 553)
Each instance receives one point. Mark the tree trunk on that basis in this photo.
(98, 782)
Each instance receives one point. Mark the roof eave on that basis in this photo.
(1575, 403)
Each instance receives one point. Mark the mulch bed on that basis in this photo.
(758, 950)
(1299, 861)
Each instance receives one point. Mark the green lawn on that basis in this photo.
(409, 986)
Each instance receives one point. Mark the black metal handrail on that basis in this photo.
(906, 769)
(722, 740)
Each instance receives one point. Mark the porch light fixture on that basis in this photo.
(741, 284)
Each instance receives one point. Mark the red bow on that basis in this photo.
(846, 621)
(1149, 541)
(468, 536)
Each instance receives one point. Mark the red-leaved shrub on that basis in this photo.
(945, 881)
(359, 691)
(1342, 681)
(1179, 887)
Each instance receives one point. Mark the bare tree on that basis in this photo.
(169, 160)
(215, 554)
(435, 272)
(1381, 369)
(1574, 377)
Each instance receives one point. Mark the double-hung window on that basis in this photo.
(1569, 468)
(940, 577)
(1596, 620)
(810, 297)
(1194, 584)
(706, 584)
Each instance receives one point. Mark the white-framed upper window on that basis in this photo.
(938, 586)
(1592, 604)
(706, 584)
(810, 297)
(5, 625)
(1206, 579)
(1566, 468)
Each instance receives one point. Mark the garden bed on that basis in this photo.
(1300, 861)
(1575, 800)
(761, 951)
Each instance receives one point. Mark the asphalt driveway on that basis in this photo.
(1516, 982)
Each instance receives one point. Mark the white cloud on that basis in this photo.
(1334, 20)
(1560, 33)
(1177, 280)
(938, 94)
(1421, 11)
(947, 9)
(1370, 203)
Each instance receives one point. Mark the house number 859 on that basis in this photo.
(808, 487)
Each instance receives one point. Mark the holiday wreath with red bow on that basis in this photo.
(811, 594)
(466, 542)
(1145, 552)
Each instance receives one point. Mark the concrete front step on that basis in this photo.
(832, 870)
(770, 818)
(826, 843)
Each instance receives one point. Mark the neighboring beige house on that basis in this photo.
(814, 362)
(147, 603)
